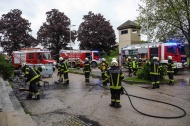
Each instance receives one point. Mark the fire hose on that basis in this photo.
(164, 117)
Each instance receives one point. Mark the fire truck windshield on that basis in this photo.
(46, 56)
(181, 49)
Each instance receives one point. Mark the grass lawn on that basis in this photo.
(137, 80)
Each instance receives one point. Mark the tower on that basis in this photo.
(129, 33)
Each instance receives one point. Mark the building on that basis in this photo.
(129, 33)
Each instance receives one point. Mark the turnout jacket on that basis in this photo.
(30, 73)
(87, 67)
(103, 66)
(63, 68)
(170, 66)
(129, 63)
(115, 76)
(155, 67)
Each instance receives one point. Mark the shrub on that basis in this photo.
(144, 73)
(6, 69)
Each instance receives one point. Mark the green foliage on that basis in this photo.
(113, 54)
(15, 31)
(95, 33)
(144, 73)
(6, 68)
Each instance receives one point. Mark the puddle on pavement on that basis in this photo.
(185, 82)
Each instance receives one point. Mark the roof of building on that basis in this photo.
(128, 24)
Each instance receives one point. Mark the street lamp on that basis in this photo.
(70, 40)
(147, 28)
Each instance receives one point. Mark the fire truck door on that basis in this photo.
(38, 57)
(88, 56)
(153, 52)
(171, 51)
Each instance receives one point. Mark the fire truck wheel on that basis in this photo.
(94, 64)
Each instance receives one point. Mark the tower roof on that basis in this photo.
(128, 24)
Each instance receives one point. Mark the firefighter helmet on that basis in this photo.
(86, 59)
(60, 58)
(103, 59)
(154, 58)
(135, 58)
(114, 63)
(54, 63)
(157, 58)
(23, 64)
(43, 67)
(170, 57)
(114, 59)
(129, 57)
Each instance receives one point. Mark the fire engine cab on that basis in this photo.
(159, 49)
(73, 55)
(31, 56)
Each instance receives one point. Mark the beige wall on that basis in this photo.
(128, 39)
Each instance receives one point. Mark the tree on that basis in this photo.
(55, 32)
(15, 32)
(95, 33)
(166, 19)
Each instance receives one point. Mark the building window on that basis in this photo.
(124, 32)
(134, 31)
(31, 55)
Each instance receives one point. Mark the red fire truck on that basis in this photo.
(159, 49)
(73, 55)
(31, 56)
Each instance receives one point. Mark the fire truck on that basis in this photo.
(31, 56)
(158, 49)
(73, 55)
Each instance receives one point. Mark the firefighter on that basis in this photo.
(60, 72)
(64, 71)
(67, 62)
(134, 66)
(87, 70)
(154, 72)
(38, 71)
(115, 76)
(78, 63)
(33, 78)
(103, 67)
(140, 63)
(170, 70)
(129, 66)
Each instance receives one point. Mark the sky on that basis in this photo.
(116, 12)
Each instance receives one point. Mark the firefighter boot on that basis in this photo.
(112, 104)
(29, 97)
(157, 85)
(37, 97)
(117, 105)
(153, 86)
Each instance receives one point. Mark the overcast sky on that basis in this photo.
(116, 11)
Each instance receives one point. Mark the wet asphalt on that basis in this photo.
(87, 104)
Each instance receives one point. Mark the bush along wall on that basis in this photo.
(144, 72)
(6, 69)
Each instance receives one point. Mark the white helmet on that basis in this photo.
(103, 59)
(60, 58)
(157, 58)
(170, 57)
(135, 58)
(43, 67)
(54, 63)
(114, 63)
(86, 59)
(154, 58)
(114, 59)
(129, 57)
(23, 64)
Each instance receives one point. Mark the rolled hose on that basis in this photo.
(164, 117)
